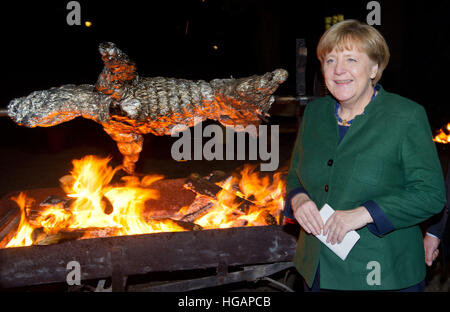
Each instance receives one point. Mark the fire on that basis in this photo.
(260, 191)
(95, 207)
(443, 136)
(23, 235)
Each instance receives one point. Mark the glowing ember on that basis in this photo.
(94, 207)
(443, 136)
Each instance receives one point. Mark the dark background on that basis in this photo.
(39, 50)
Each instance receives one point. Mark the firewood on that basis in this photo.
(204, 187)
(34, 212)
(10, 217)
(269, 218)
(188, 226)
(54, 200)
(56, 238)
(8, 225)
(93, 232)
(199, 207)
(265, 218)
(41, 238)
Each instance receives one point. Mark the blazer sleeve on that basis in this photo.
(438, 227)
(423, 192)
(287, 210)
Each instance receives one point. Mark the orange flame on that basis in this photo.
(443, 136)
(266, 195)
(119, 209)
(23, 235)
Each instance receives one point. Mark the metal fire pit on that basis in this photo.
(265, 249)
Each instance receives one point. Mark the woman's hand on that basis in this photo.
(307, 214)
(430, 245)
(343, 221)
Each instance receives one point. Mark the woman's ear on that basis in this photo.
(373, 71)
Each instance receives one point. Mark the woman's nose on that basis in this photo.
(339, 68)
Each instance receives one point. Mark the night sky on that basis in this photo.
(176, 38)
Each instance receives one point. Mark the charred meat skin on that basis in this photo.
(129, 106)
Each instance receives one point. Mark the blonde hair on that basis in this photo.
(352, 33)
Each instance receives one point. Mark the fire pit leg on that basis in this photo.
(119, 280)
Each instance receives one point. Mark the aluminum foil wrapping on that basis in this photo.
(129, 106)
(56, 105)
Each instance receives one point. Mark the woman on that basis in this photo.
(369, 154)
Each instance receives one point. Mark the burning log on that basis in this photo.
(266, 219)
(8, 223)
(204, 187)
(202, 204)
(198, 208)
(37, 214)
(208, 190)
(42, 238)
(129, 106)
(186, 225)
(269, 218)
(55, 200)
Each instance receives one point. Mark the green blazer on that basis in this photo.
(387, 156)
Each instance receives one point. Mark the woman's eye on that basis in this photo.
(351, 59)
(330, 61)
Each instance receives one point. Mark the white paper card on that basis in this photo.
(350, 239)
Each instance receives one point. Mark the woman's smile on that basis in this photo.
(343, 82)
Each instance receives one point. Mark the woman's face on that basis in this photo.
(348, 74)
